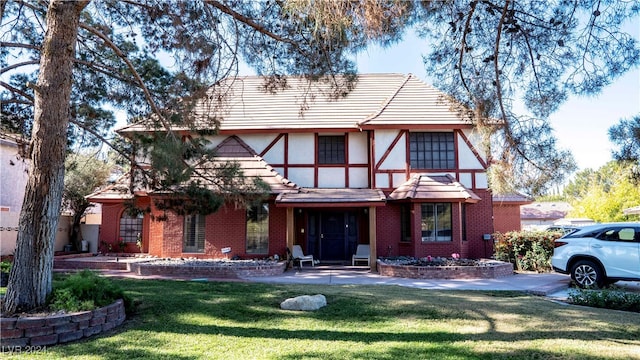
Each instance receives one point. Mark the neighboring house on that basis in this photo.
(632, 210)
(13, 179)
(540, 215)
(394, 164)
(506, 211)
(14, 173)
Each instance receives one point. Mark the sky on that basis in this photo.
(581, 124)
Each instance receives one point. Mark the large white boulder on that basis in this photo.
(304, 303)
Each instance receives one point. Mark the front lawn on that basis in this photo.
(235, 320)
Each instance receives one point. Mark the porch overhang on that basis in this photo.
(430, 188)
(306, 197)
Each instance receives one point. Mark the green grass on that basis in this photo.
(227, 320)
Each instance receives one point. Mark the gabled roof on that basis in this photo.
(231, 150)
(376, 100)
(117, 191)
(434, 188)
(417, 103)
(234, 150)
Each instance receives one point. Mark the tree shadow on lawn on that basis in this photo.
(360, 307)
(368, 316)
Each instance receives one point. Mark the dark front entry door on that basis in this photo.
(333, 235)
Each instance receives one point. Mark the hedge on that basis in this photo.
(526, 250)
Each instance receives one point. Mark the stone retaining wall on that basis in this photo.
(98, 265)
(218, 272)
(38, 332)
(492, 270)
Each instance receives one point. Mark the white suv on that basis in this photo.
(599, 255)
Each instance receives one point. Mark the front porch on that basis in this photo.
(145, 266)
(330, 223)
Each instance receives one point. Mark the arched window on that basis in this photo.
(130, 228)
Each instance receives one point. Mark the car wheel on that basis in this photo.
(587, 274)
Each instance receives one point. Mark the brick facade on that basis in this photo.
(506, 217)
(227, 228)
(466, 241)
(224, 228)
(479, 223)
(489, 271)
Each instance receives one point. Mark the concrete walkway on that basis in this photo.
(551, 285)
(539, 284)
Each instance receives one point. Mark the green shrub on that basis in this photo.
(86, 291)
(526, 250)
(5, 266)
(606, 298)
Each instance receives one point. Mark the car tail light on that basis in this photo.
(559, 243)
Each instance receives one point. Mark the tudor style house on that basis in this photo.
(394, 165)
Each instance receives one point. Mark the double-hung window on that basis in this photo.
(432, 150)
(436, 222)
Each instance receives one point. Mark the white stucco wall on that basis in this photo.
(358, 177)
(301, 148)
(275, 155)
(482, 181)
(358, 148)
(397, 158)
(331, 178)
(302, 176)
(13, 176)
(382, 181)
(466, 158)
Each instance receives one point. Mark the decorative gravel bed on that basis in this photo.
(209, 262)
(443, 268)
(219, 268)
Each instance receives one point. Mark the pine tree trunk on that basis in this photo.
(31, 273)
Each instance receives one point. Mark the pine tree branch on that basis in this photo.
(5, 44)
(17, 91)
(251, 23)
(135, 73)
(17, 65)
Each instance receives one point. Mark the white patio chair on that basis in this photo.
(299, 256)
(363, 253)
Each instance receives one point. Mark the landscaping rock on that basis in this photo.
(304, 303)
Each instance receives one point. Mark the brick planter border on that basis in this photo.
(491, 270)
(219, 272)
(37, 333)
